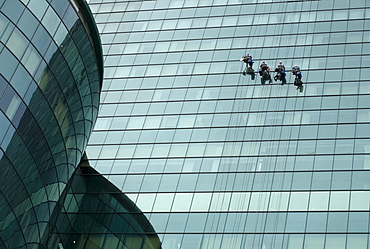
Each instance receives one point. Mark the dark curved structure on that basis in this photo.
(50, 81)
(96, 214)
(51, 71)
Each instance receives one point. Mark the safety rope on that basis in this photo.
(239, 108)
(249, 177)
(270, 145)
(223, 185)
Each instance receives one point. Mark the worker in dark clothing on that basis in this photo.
(263, 67)
(296, 71)
(280, 72)
(248, 60)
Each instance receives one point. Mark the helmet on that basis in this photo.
(280, 62)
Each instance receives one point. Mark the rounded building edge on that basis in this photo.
(89, 23)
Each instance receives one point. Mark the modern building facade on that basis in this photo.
(50, 81)
(215, 159)
(51, 71)
(96, 214)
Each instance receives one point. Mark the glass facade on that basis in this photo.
(50, 83)
(96, 214)
(213, 158)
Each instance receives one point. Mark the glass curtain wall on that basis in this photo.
(95, 215)
(49, 95)
(215, 159)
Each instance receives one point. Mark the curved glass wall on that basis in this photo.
(217, 160)
(49, 95)
(96, 214)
